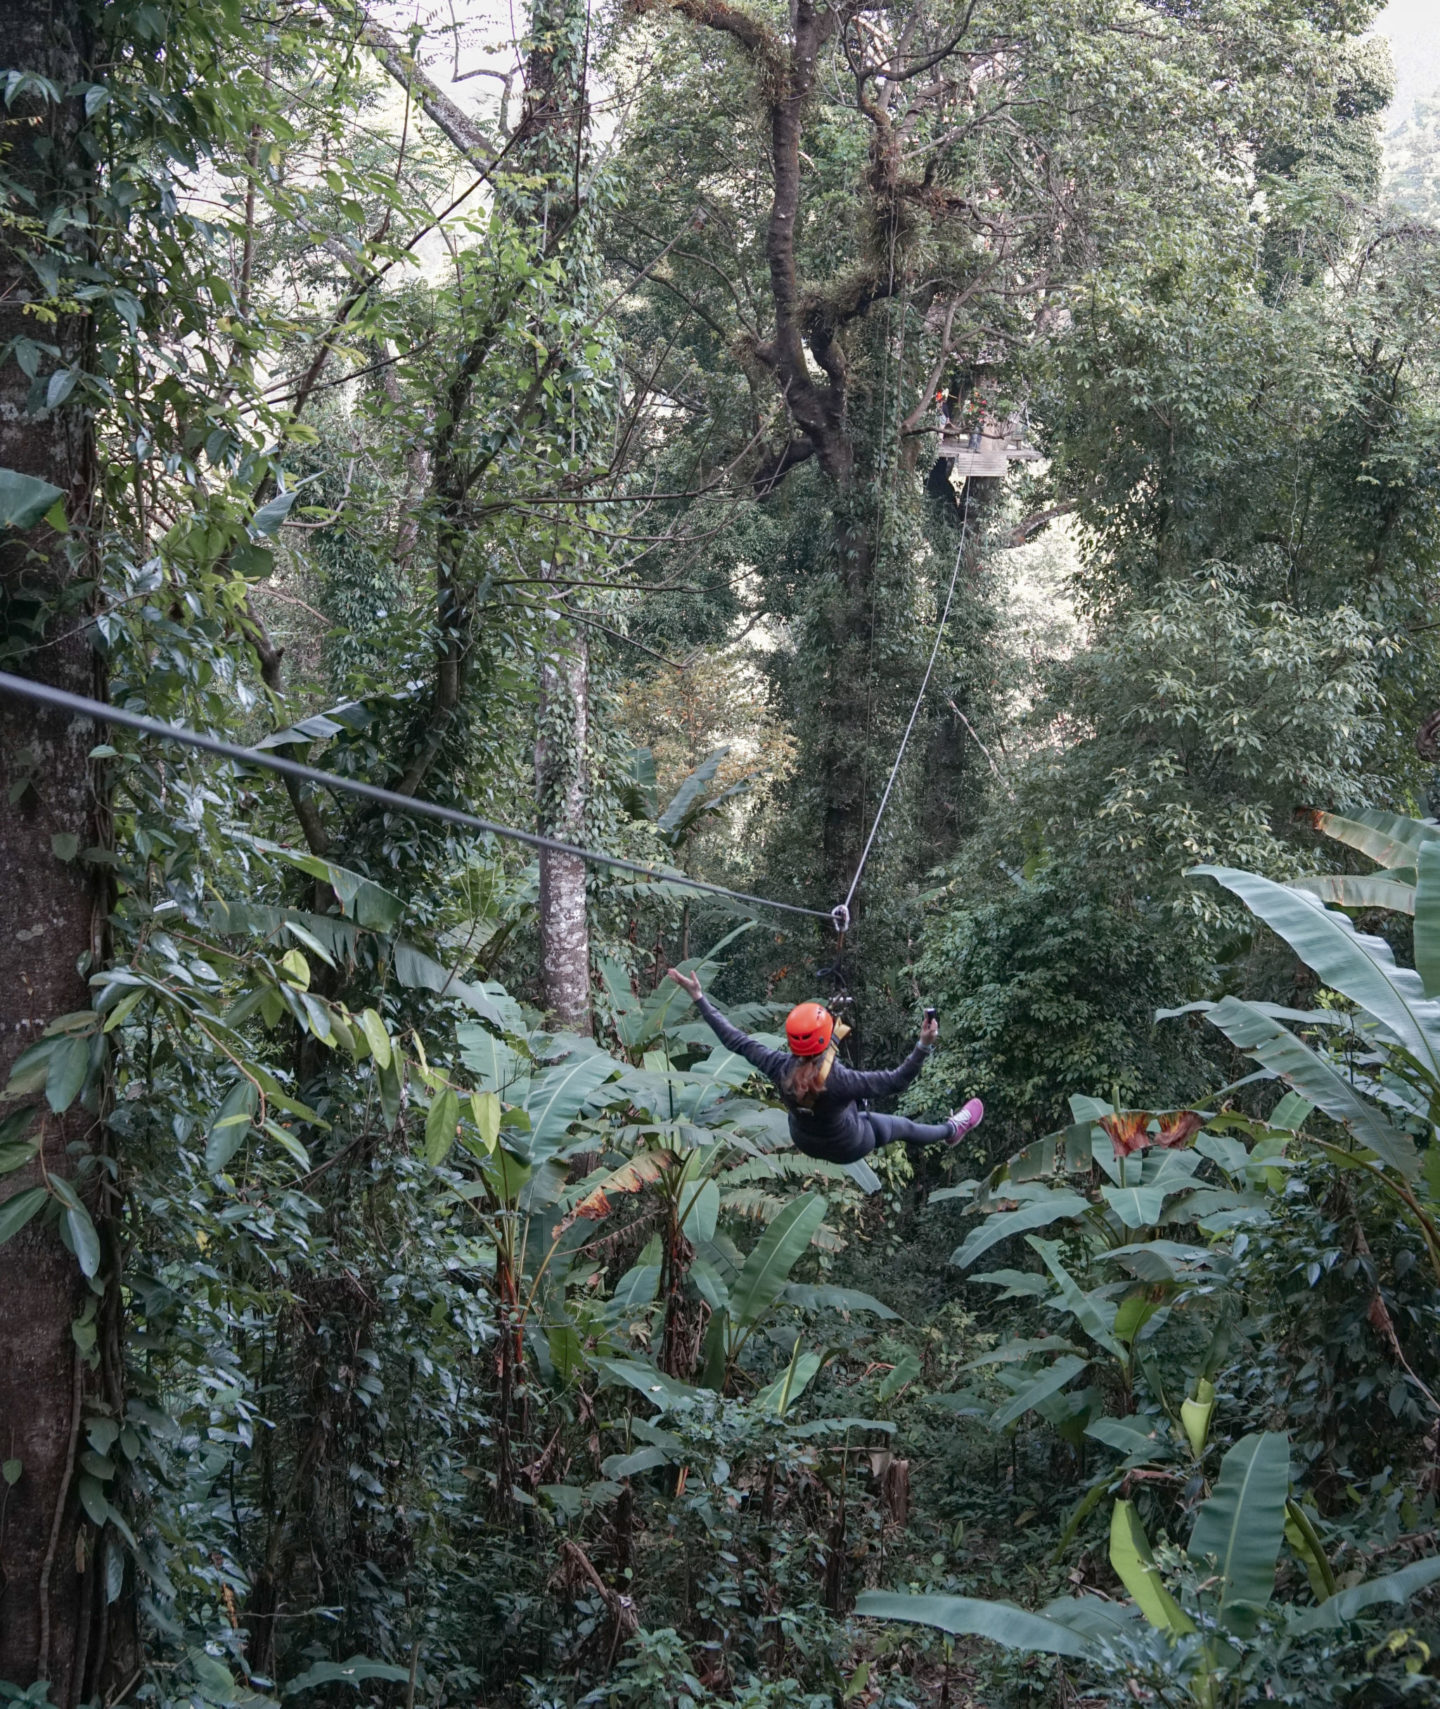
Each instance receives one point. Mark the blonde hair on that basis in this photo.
(808, 1075)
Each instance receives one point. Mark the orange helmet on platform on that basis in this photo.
(809, 1028)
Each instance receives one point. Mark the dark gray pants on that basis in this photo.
(893, 1130)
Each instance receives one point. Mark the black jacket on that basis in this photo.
(832, 1127)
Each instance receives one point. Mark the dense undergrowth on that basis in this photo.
(445, 1319)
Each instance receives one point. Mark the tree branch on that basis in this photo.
(1033, 524)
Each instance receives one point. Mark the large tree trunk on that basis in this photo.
(551, 132)
(51, 918)
(561, 787)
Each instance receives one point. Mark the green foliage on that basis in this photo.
(450, 1357)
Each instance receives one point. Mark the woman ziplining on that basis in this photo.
(822, 1095)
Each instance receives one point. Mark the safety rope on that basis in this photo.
(840, 914)
(23, 689)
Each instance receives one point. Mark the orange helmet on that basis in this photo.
(809, 1027)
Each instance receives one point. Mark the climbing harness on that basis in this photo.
(23, 689)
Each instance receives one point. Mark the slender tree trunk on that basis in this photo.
(561, 789)
(551, 133)
(51, 915)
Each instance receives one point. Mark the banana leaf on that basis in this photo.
(1315, 1079)
(792, 1382)
(1359, 890)
(825, 1298)
(1360, 966)
(1242, 1525)
(1427, 918)
(1396, 1587)
(1390, 839)
(776, 1253)
(560, 1092)
(1046, 1384)
(1134, 1564)
(1040, 1212)
(968, 1616)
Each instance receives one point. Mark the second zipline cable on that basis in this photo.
(22, 688)
(840, 916)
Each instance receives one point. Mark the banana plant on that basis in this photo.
(1123, 1266)
(1208, 1608)
(1375, 1069)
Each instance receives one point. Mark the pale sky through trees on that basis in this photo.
(1413, 29)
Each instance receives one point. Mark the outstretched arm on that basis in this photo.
(883, 1082)
(771, 1062)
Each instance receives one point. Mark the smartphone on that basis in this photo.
(931, 1015)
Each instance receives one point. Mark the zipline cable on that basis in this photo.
(24, 689)
(840, 916)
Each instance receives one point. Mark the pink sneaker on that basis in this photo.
(966, 1119)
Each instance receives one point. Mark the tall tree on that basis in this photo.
(552, 134)
(51, 808)
(903, 199)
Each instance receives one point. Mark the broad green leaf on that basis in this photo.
(776, 1254)
(1263, 1038)
(1137, 1436)
(92, 1498)
(485, 1112)
(31, 1069)
(1134, 1564)
(231, 1124)
(1304, 1541)
(507, 1175)
(559, 1093)
(863, 1176)
(1139, 1207)
(822, 1297)
(1360, 966)
(900, 1375)
(1046, 1384)
(1427, 918)
(1390, 839)
(690, 792)
(497, 1066)
(441, 1120)
(268, 518)
(376, 1036)
(369, 904)
(421, 972)
(1091, 1310)
(17, 1210)
(637, 1287)
(628, 1465)
(24, 499)
(69, 1067)
(969, 1617)
(350, 1672)
(1241, 1526)
(838, 1426)
(84, 1239)
(15, 1154)
(287, 1142)
(1291, 1113)
(1001, 1225)
(701, 1210)
(303, 935)
(1396, 1587)
(1349, 890)
(663, 1391)
(787, 1388)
